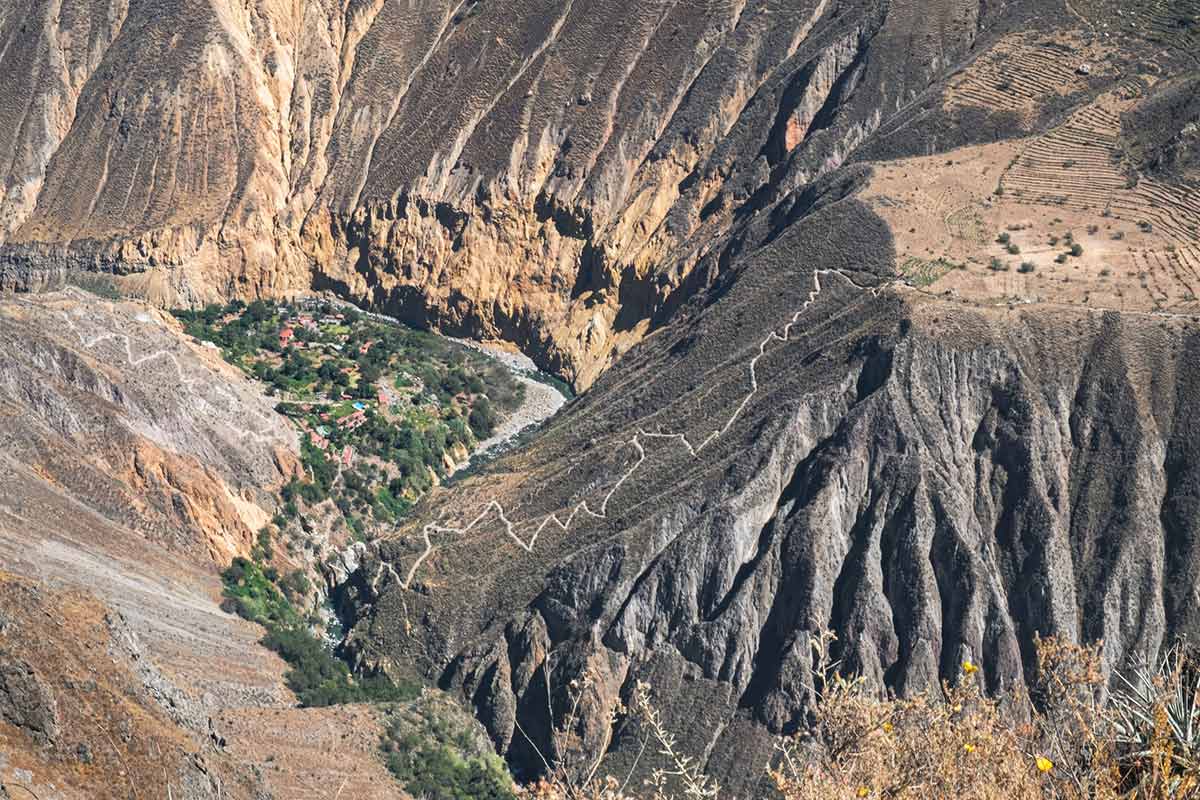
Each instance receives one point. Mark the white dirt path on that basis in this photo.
(636, 442)
(258, 436)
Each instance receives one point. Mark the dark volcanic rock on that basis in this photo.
(657, 201)
(933, 483)
(1163, 132)
(26, 700)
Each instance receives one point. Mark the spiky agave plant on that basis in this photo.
(1156, 716)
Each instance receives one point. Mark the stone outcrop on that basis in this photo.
(932, 482)
(547, 173)
(25, 699)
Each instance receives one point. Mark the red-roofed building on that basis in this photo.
(352, 421)
(285, 336)
(347, 455)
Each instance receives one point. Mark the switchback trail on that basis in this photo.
(260, 437)
(637, 442)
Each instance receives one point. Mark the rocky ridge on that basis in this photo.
(933, 483)
(560, 190)
(663, 205)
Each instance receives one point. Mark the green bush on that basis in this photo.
(432, 751)
(295, 585)
(317, 677)
(482, 418)
(255, 598)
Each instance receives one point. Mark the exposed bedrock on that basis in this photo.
(931, 482)
(107, 404)
(549, 173)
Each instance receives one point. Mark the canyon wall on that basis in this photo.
(932, 482)
(549, 173)
(658, 201)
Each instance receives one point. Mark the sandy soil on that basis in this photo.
(312, 752)
(955, 235)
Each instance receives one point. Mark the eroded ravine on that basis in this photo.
(781, 335)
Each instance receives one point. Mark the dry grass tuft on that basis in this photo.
(1073, 739)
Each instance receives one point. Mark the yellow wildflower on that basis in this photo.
(887, 727)
(970, 668)
(957, 707)
(1044, 764)
(970, 748)
(862, 791)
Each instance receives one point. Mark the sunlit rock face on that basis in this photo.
(549, 173)
(662, 203)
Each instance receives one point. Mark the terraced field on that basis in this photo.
(1021, 71)
(1168, 209)
(1170, 277)
(1079, 166)
(1174, 23)
(1072, 165)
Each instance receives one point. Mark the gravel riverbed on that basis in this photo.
(541, 401)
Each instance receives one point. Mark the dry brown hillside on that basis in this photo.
(883, 316)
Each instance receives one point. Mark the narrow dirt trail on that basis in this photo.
(257, 436)
(637, 442)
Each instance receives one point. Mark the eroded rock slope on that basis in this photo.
(134, 464)
(934, 483)
(661, 202)
(548, 173)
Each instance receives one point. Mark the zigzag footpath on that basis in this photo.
(188, 382)
(637, 442)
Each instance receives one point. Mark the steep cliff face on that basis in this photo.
(933, 482)
(549, 173)
(654, 201)
(76, 720)
(107, 404)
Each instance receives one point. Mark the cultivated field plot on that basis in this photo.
(1076, 165)
(1171, 23)
(1059, 218)
(1025, 69)
(1080, 165)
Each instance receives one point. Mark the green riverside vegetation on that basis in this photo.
(316, 675)
(383, 410)
(437, 752)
